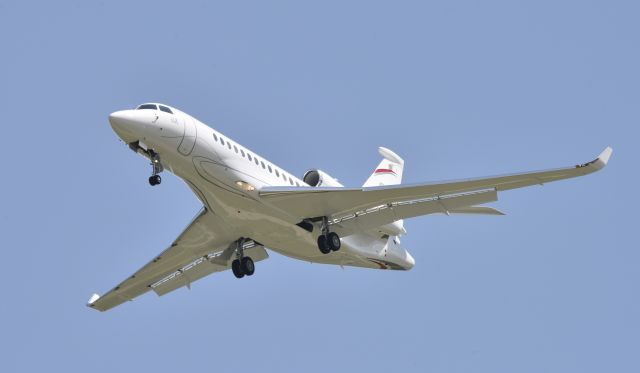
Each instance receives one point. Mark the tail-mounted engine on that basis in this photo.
(319, 178)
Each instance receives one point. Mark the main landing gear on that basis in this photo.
(155, 179)
(242, 265)
(328, 241)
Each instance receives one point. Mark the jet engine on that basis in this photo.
(319, 178)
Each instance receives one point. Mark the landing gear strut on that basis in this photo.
(155, 179)
(154, 157)
(328, 241)
(242, 265)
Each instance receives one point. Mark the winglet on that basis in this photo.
(92, 300)
(603, 158)
(599, 162)
(605, 155)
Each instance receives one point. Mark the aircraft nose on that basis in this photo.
(124, 125)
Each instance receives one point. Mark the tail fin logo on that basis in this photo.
(388, 170)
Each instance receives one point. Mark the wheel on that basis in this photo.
(333, 241)
(322, 244)
(155, 180)
(235, 267)
(247, 266)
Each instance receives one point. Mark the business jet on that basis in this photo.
(250, 204)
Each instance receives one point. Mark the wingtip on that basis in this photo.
(93, 300)
(605, 155)
(600, 162)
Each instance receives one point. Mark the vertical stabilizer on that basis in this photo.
(388, 172)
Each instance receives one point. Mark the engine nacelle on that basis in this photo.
(319, 178)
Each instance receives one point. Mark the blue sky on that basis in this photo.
(458, 88)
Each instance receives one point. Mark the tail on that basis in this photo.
(388, 172)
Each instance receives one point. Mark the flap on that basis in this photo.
(376, 217)
(202, 267)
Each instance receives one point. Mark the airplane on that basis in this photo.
(250, 204)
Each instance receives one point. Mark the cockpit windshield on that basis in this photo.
(165, 109)
(154, 107)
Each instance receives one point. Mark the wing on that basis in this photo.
(201, 249)
(385, 204)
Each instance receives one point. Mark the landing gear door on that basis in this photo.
(190, 134)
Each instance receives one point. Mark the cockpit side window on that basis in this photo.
(147, 106)
(165, 109)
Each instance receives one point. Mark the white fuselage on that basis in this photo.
(226, 177)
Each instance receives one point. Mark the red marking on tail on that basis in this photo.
(383, 171)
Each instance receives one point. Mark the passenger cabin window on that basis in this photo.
(165, 109)
(229, 144)
(284, 176)
(222, 141)
(270, 170)
(236, 149)
(242, 152)
(147, 106)
(215, 137)
(256, 159)
(249, 156)
(277, 173)
(290, 181)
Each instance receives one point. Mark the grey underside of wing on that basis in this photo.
(198, 240)
(372, 218)
(390, 203)
(216, 261)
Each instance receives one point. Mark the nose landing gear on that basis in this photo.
(155, 179)
(154, 157)
(328, 241)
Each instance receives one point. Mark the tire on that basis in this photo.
(333, 241)
(155, 180)
(235, 268)
(247, 266)
(322, 244)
